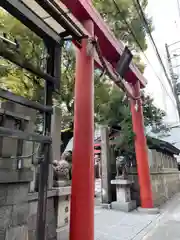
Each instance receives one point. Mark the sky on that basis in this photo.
(166, 21)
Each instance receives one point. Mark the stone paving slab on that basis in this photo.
(166, 231)
(116, 225)
(168, 226)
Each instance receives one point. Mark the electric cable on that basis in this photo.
(141, 14)
(139, 45)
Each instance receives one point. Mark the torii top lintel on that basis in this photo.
(111, 47)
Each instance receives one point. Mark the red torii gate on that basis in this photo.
(82, 204)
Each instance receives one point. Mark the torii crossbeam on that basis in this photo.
(82, 204)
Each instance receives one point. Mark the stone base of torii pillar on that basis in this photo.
(123, 195)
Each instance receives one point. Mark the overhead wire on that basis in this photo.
(141, 14)
(139, 45)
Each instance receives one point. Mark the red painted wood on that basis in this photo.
(141, 152)
(82, 196)
(110, 46)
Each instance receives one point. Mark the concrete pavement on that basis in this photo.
(115, 225)
(168, 225)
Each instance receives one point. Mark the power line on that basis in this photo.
(139, 45)
(172, 84)
(144, 20)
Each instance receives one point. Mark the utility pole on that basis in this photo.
(173, 79)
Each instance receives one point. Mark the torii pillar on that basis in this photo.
(141, 150)
(82, 196)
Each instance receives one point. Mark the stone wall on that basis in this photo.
(15, 174)
(63, 213)
(165, 178)
(13, 211)
(50, 216)
(57, 216)
(18, 213)
(18, 198)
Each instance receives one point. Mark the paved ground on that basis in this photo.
(113, 225)
(168, 225)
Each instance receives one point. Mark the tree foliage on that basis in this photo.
(32, 48)
(115, 20)
(110, 107)
(118, 21)
(116, 112)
